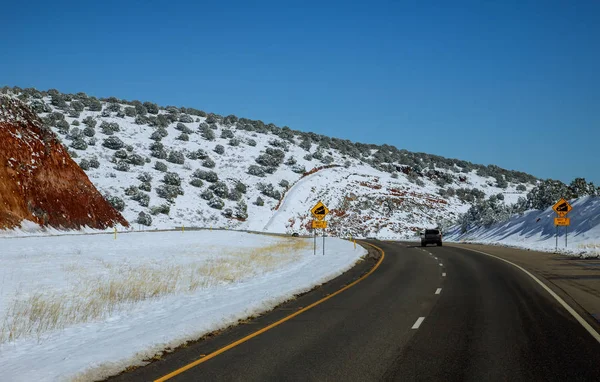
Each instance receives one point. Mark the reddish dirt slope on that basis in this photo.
(38, 179)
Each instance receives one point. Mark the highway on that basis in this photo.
(434, 313)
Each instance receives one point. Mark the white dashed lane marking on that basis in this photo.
(438, 291)
(418, 323)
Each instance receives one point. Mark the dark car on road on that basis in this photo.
(431, 236)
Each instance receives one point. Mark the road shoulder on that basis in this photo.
(575, 280)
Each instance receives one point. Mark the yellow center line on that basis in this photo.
(261, 331)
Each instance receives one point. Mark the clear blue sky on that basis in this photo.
(512, 83)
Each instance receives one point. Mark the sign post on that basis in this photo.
(319, 211)
(562, 208)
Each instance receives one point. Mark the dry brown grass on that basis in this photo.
(95, 298)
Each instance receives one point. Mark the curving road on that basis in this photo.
(437, 313)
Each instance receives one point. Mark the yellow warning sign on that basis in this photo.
(562, 221)
(319, 211)
(562, 208)
(320, 224)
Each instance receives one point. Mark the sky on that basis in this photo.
(511, 83)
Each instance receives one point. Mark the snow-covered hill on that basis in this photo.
(171, 167)
(535, 229)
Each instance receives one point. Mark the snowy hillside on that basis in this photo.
(168, 167)
(535, 230)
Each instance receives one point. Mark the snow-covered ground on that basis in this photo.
(91, 305)
(535, 230)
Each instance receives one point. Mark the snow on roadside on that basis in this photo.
(535, 230)
(64, 265)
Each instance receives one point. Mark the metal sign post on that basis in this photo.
(323, 242)
(315, 237)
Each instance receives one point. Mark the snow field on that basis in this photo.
(535, 230)
(90, 305)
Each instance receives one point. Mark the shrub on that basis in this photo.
(209, 176)
(241, 187)
(79, 144)
(89, 131)
(109, 128)
(241, 210)
(145, 186)
(308, 157)
(183, 137)
(284, 183)
(160, 166)
(122, 166)
(62, 124)
(291, 161)
(74, 133)
(145, 177)
(84, 164)
(299, 169)
(228, 213)
(216, 203)
(521, 187)
(117, 203)
(196, 182)
(226, 134)
(259, 201)
(256, 170)
(89, 121)
(130, 111)
(169, 192)
(113, 107)
(159, 134)
(270, 170)
(77, 106)
(208, 163)
(136, 160)
(92, 141)
(151, 108)
(94, 163)
(120, 154)
(176, 157)
(75, 123)
(141, 120)
(268, 190)
(162, 209)
(172, 179)
(207, 133)
(207, 194)
(94, 105)
(142, 198)
(185, 118)
(220, 189)
(251, 142)
(327, 160)
(234, 195)
(113, 143)
(157, 150)
(183, 128)
(234, 142)
(144, 219)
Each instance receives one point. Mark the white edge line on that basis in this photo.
(438, 291)
(444, 274)
(441, 265)
(418, 323)
(562, 302)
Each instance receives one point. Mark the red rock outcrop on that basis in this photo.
(38, 179)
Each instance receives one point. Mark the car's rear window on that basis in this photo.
(432, 232)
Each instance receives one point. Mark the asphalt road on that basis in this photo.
(438, 313)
